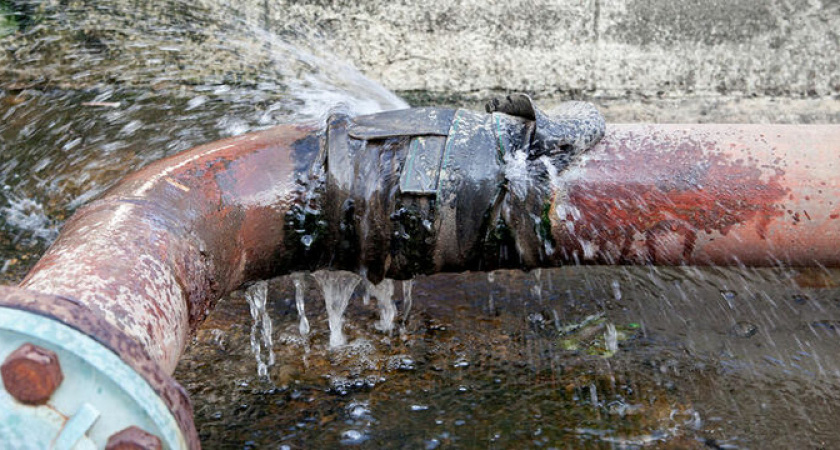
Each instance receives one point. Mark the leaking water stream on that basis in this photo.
(597, 357)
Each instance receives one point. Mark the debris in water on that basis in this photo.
(582, 324)
(256, 295)
(337, 287)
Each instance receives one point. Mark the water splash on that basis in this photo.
(29, 215)
(261, 328)
(491, 301)
(408, 287)
(318, 79)
(337, 287)
(298, 280)
(537, 289)
(384, 293)
(611, 339)
(616, 288)
(516, 172)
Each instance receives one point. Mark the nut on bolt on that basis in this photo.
(133, 438)
(31, 374)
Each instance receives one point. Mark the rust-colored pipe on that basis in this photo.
(703, 194)
(157, 250)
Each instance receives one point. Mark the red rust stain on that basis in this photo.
(681, 185)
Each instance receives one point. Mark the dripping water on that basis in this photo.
(337, 287)
(407, 286)
(298, 280)
(261, 339)
(491, 302)
(384, 293)
(537, 289)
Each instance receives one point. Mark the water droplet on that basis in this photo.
(744, 329)
(352, 437)
(611, 339)
(359, 410)
(461, 363)
(306, 240)
(616, 287)
(419, 407)
(729, 296)
(408, 287)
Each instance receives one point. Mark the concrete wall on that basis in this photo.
(601, 47)
(453, 51)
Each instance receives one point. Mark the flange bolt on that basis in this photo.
(133, 438)
(31, 374)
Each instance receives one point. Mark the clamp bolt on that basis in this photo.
(133, 438)
(31, 374)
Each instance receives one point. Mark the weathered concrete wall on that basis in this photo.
(608, 47)
(454, 51)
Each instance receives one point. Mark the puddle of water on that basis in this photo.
(661, 365)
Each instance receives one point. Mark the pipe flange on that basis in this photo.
(84, 392)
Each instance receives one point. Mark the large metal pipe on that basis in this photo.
(155, 252)
(140, 268)
(703, 194)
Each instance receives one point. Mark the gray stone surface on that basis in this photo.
(722, 60)
(600, 47)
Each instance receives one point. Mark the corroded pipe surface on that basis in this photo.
(156, 251)
(702, 194)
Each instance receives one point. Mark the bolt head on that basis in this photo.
(31, 374)
(133, 438)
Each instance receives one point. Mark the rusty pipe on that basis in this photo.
(157, 250)
(702, 194)
(139, 268)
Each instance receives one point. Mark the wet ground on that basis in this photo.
(577, 357)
